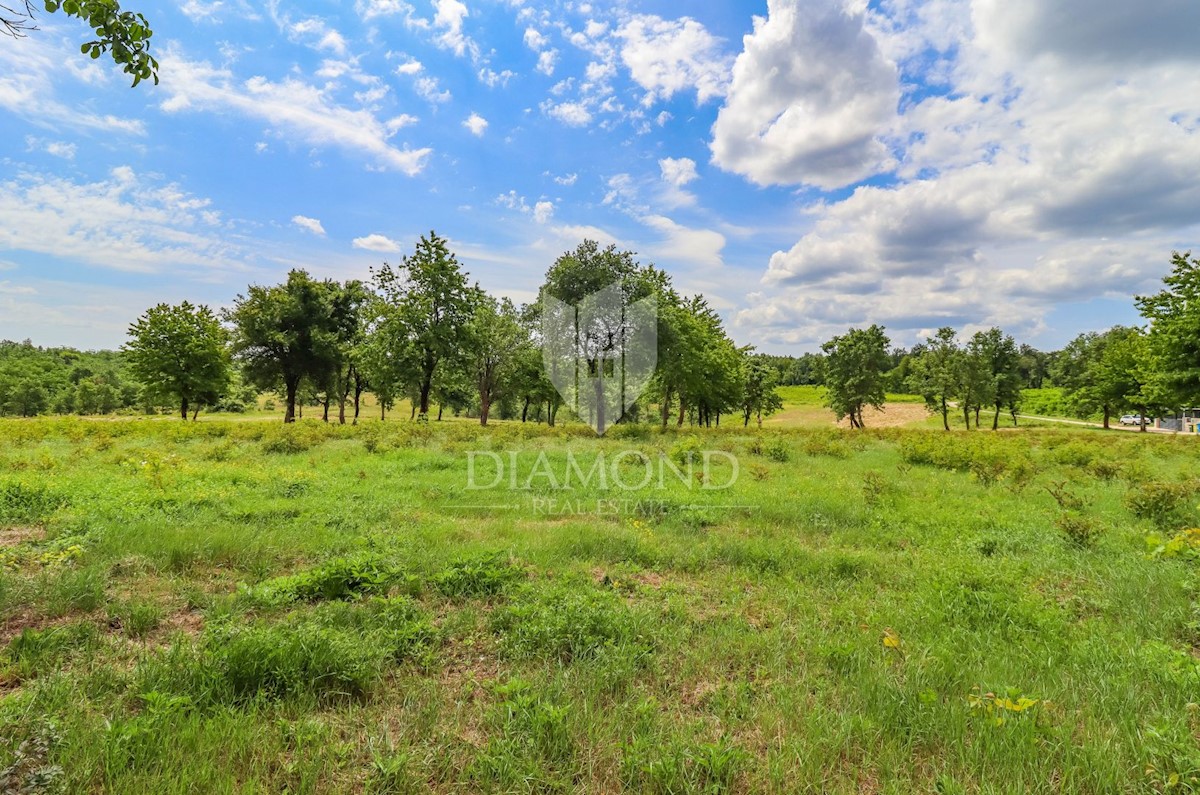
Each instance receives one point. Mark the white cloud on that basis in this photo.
(811, 95)
(491, 78)
(547, 61)
(678, 171)
(573, 114)
(31, 73)
(684, 244)
(543, 211)
(448, 18)
(668, 56)
(309, 224)
(567, 179)
(127, 222)
(376, 242)
(430, 90)
(370, 9)
(476, 124)
(201, 10)
(8, 288)
(292, 107)
(1062, 164)
(535, 39)
(410, 67)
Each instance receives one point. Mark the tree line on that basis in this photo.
(420, 330)
(1153, 369)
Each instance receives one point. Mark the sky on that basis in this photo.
(807, 165)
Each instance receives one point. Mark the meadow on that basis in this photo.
(246, 607)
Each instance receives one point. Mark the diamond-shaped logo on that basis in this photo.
(600, 354)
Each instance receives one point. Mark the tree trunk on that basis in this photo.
(967, 416)
(358, 391)
(977, 417)
(1142, 417)
(682, 412)
(427, 382)
(945, 414)
(485, 406)
(995, 420)
(325, 404)
(290, 390)
(666, 407)
(525, 409)
(183, 410)
(1107, 413)
(196, 412)
(382, 411)
(441, 408)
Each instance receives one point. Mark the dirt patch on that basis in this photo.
(12, 536)
(894, 415)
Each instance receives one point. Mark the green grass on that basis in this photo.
(240, 607)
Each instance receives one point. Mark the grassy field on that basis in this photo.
(243, 607)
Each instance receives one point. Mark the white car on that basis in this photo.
(1133, 419)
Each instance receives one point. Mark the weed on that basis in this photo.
(571, 622)
(485, 576)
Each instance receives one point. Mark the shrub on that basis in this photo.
(1078, 529)
(341, 578)
(1164, 504)
(488, 575)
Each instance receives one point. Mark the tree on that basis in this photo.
(1105, 372)
(427, 306)
(855, 366)
(286, 333)
(759, 397)
(1174, 315)
(180, 353)
(124, 35)
(1000, 363)
(496, 343)
(937, 372)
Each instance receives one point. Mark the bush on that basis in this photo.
(1166, 505)
(341, 578)
(1079, 530)
(483, 576)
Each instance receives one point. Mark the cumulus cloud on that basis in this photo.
(476, 124)
(811, 95)
(309, 224)
(1043, 174)
(376, 242)
(678, 171)
(543, 211)
(668, 56)
(292, 107)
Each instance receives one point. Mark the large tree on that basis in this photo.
(855, 366)
(427, 305)
(286, 333)
(1000, 362)
(180, 353)
(124, 35)
(1174, 315)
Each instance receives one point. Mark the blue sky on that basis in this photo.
(806, 164)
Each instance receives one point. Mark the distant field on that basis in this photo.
(244, 607)
(803, 407)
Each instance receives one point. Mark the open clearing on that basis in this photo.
(219, 607)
